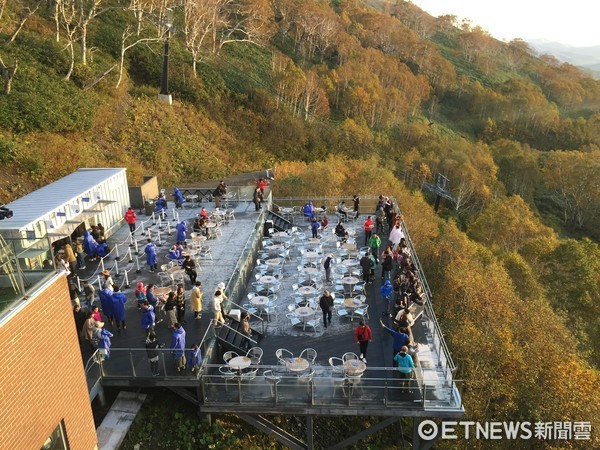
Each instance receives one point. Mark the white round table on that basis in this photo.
(352, 302)
(306, 290)
(310, 271)
(354, 366)
(268, 279)
(297, 364)
(350, 280)
(239, 362)
(259, 300)
(273, 261)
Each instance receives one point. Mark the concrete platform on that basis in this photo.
(117, 422)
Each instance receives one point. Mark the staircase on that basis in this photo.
(230, 337)
(279, 223)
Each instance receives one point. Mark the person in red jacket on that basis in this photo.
(362, 336)
(130, 218)
(368, 227)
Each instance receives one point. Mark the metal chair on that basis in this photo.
(337, 364)
(227, 375)
(255, 354)
(294, 320)
(229, 355)
(309, 354)
(341, 312)
(348, 356)
(249, 375)
(273, 380)
(282, 354)
(313, 323)
(362, 312)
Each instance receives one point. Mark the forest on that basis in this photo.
(345, 97)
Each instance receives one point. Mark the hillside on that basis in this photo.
(345, 97)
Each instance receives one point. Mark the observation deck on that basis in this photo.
(320, 390)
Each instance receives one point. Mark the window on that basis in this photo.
(57, 440)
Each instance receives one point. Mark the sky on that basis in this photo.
(572, 22)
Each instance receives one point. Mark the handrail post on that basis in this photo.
(132, 365)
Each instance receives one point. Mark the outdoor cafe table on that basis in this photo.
(273, 261)
(199, 238)
(304, 313)
(350, 262)
(175, 271)
(350, 281)
(309, 271)
(352, 302)
(162, 291)
(275, 248)
(296, 364)
(190, 252)
(268, 279)
(259, 301)
(191, 198)
(280, 236)
(311, 253)
(306, 290)
(349, 246)
(239, 363)
(354, 366)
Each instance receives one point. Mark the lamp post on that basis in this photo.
(164, 95)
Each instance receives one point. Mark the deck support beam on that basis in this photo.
(272, 430)
(364, 433)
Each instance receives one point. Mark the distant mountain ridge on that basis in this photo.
(586, 57)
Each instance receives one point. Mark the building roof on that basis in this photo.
(38, 204)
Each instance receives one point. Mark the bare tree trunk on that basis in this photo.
(57, 19)
(84, 44)
(71, 48)
(29, 12)
(8, 73)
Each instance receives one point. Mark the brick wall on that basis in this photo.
(41, 374)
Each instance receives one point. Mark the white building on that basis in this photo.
(73, 203)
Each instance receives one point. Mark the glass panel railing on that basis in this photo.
(25, 264)
(317, 386)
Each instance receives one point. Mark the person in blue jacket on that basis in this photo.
(386, 294)
(174, 255)
(405, 366)
(148, 318)
(106, 302)
(89, 245)
(194, 359)
(178, 197)
(181, 231)
(101, 340)
(178, 347)
(118, 300)
(151, 258)
(308, 210)
(161, 204)
(314, 226)
(401, 339)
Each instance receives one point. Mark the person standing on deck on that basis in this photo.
(356, 202)
(130, 217)
(362, 336)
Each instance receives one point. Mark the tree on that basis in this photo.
(574, 180)
(8, 73)
(508, 224)
(25, 14)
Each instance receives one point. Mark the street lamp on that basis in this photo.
(164, 95)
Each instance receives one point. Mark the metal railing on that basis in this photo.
(321, 385)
